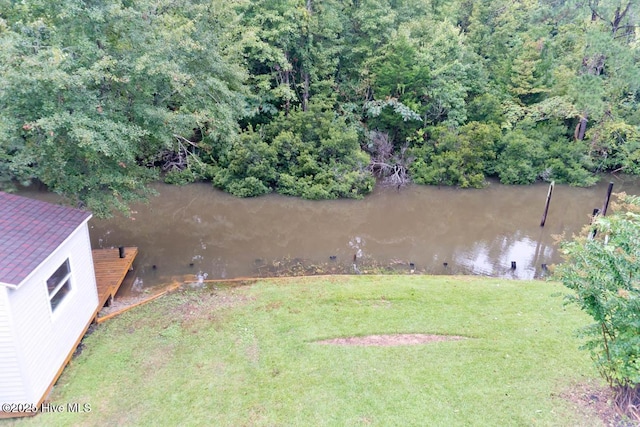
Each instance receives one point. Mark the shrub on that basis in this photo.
(521, 161)
(459, 157)
(312, 154)
(248, 187)
(570, 163)
(604, 273)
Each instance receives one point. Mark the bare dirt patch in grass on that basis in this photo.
(596, 401)
(391, 340)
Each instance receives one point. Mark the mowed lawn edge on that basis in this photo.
(249, 355)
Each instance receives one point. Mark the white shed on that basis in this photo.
(48, 295)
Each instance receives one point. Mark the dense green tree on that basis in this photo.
(97, 99)
(454, 74)
(369, 25)
(495, 30)
(293, 53)
(596, 55)
(425, 69)
(526, 80)
(398, 76)
(92, 94)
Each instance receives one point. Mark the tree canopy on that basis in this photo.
(314, 99)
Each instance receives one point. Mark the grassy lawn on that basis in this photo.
(248, 356)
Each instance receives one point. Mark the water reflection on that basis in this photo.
(521, 257)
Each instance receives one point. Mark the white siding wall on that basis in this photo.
(46, 338)
(12, 388)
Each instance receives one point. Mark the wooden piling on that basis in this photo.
(594, 215)
(546, 206)
(606, 200)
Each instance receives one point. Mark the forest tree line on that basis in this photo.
(314, 98)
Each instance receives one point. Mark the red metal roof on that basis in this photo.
(30, 230)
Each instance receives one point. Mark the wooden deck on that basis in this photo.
(110, 271)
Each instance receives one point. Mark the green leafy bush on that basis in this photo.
(248, 187)
(521, 161)
(180, 177)
(312, 154)
(543, 150)
(616, 146)
(456, 156)
(570, 163)
(604, 273)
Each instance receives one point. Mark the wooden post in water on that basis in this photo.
(595, 213)
(606, 201)
(546, 206)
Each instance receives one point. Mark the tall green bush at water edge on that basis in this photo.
(603, 269)
(313, 154)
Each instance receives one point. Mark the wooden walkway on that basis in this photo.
(110, 271)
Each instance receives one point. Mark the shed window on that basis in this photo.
(59, 284)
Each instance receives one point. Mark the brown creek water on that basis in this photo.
(198, 230)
